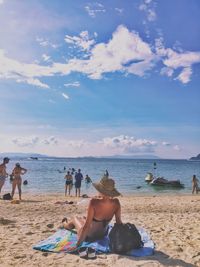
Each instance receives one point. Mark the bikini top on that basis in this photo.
(104, 222)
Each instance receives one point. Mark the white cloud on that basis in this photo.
(148, 7)
(35, 82)
(26, 142)
(83, 41)
(185, 75)
(65, 96)
(45, 57)
(125, 52)
(74, 84)
(174, 60)
(167, 71)
(119, 10)
(34, 140)
(177, 148)
(151, 15)
(1, 2)
(45, 42)
(50, 141)
(186, 59)
(130, 144)
(94, 8)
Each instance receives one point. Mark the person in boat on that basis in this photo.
(100, 212)
(195, 187)
(68, 183)
(17, 180)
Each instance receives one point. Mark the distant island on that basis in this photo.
(14, 155)
(195, 158)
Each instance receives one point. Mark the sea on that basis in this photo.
(46, 175)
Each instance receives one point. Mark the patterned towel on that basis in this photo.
(65, 241)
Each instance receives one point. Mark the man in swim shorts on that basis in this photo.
(78, 180)
(3, 173)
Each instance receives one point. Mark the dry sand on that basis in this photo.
(172, 221)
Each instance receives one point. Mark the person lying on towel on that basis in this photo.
(100, 212)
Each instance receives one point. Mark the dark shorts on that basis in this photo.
(77, 185)
(68, 182)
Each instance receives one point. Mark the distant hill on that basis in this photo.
(13, 155)
(195, 158)
(133, 157)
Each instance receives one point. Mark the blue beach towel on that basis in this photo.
(65, 241)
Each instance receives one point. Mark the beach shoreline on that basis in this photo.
(171, 220)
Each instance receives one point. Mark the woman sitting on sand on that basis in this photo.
(100, 212)
(17, 180)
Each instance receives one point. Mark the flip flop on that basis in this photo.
(64, 220)
(91, 253)
(83, 252)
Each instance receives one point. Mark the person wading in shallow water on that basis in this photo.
(195, 186)
(17, 180)
(78, 180)
(68, 183)
(3, 173)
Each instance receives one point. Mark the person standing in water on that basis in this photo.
(195, 184)
(3, 173)
(78, 180)
(68, 183)
(17, 180)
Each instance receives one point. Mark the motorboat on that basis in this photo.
(162, 182)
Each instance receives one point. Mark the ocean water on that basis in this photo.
(46, 175)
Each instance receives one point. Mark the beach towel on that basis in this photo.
(65, 241)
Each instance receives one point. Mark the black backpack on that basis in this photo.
(124, 237)
(7, 196)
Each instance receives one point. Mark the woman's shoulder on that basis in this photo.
(96, 200)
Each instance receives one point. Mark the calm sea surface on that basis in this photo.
(46, 175)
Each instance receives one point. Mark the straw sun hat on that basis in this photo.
(106, 186)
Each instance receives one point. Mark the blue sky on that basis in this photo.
(99, 78)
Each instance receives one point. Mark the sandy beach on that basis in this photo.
(172, 221)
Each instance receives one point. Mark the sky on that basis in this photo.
(100, 78)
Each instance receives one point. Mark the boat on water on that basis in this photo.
(162, 182)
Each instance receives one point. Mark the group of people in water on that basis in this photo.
(15, 176)
(75, 178)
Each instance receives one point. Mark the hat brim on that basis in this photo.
(102, 190)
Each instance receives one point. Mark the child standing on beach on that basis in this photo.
(195, 184)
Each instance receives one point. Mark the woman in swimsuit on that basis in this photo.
(68, 183)
(17, 180)
(100, 212)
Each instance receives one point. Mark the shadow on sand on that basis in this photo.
(163, 259)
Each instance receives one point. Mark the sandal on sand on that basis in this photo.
(83, 252)
(64, 220)
(91, 253)
(64, 223)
